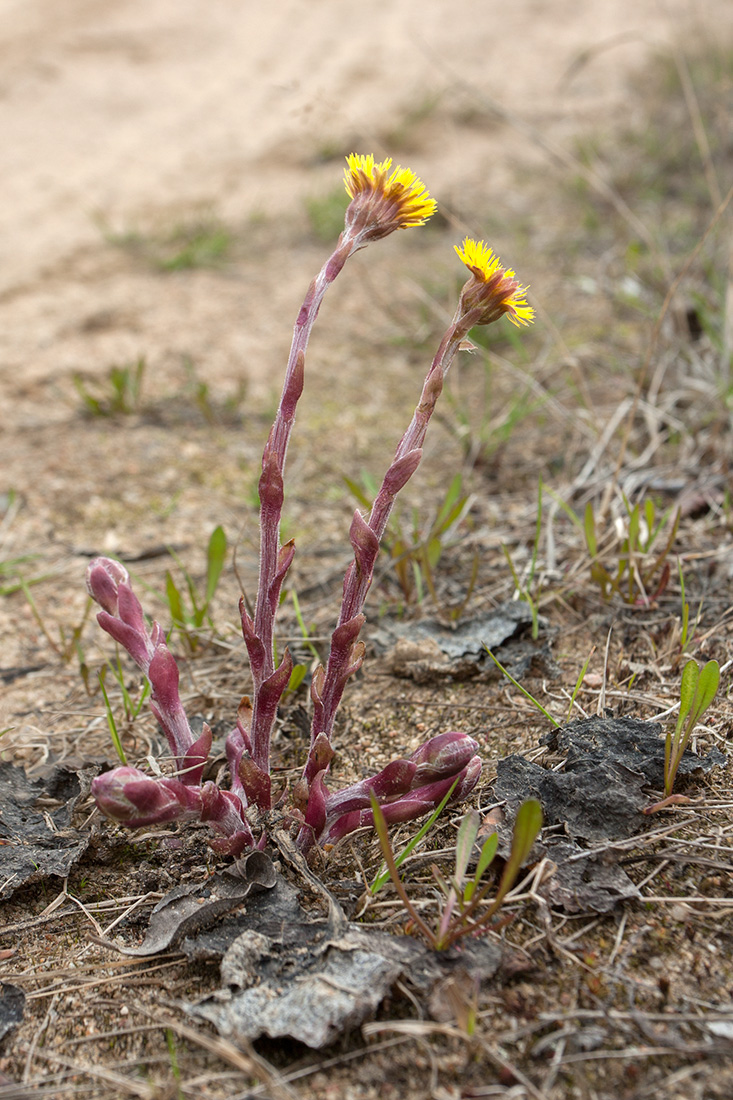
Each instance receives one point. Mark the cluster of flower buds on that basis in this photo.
(382, 201)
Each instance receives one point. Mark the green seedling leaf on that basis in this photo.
(707, 688)
(297, 676)
(510, 563)
(664, 553)
(697, 691)
(467, 833)
(526, 830)
(634, 528)
(688, 687)
(215, 556)
(579, 682)
(175, 603)
(649, 515)
(485, 860)
(433, 552)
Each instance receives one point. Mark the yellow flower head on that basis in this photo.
(493, 288)
(382, 202)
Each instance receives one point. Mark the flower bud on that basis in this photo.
(103, 579)
(441, 756)
(133, 798)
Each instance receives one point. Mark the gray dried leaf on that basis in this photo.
(625, 743)
(587, 883)
(287, 975)
(12, 1006)
(601, 803)
(428, 649)
(37, 838)
(189, 909)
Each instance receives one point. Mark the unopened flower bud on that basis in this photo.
(133, 798)
(103, 579)
(441, 756)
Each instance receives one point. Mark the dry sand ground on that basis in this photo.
(124, 122)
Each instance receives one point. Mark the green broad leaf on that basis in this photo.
(688, 688)
(467, 833)
(485, 860)
(433, 551)
(706, 690)
(296, 677)
(175, 603)
(526, 830)
(215, 556)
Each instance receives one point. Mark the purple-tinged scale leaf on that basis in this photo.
(130, 609)
(164, 676)
(284, 561)
(319, 758)
(255, 782)
(401, 471)
(137, 645)
(364, 542)
(271, 485)
(194, 761)
(392, 781)
(315, 812)
(294, 386)
(255, 648)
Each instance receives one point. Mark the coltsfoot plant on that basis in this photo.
(382, 201)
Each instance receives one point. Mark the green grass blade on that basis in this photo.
(111, 723)
(382, 877)
(524, 691)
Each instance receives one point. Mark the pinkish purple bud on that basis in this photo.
(444, 755)
(434, 792)
(103, 579)
(133, 798)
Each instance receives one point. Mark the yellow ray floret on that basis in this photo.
(501, 283)
(406, 201)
